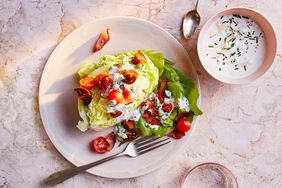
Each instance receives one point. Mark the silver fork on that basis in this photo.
(133, 149)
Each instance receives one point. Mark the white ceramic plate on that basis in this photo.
(58, 101)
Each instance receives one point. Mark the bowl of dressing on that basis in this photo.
(237, 45)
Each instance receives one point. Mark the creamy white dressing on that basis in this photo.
(183, 103)
(129, 115)
(234, 46)
(126, 63)
(156, 127)
(121, 132)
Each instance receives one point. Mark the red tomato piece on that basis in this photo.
(84, 95)
(139, 58)
(102, 40)
(183, 125)
(167, 107)
(111, 139)
(176, 134)
(126, 96)
(87, 82)
(116, 95)
(100, 144)
(130, 76)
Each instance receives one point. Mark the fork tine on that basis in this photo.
(148, 140)
(140, 139)
(150, 149)
(152, 143)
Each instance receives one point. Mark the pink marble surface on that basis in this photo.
(241, 127)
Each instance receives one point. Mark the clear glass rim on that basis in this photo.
(229, 173)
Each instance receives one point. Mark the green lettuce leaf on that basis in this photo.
(148, 131)
(169, 121)
(181, 86)
(191, 92)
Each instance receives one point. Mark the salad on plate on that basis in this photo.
(139, 93)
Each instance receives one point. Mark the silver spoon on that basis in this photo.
(190, 22)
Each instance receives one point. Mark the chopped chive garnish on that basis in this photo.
(232, 54)
(231, 40)
(245, 17)
(210, 46)
(237, 15)
(236, 68)
(245, 68)
(215, 44)
(256, 39)
(232, 45)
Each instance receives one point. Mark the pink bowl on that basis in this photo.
(270, 48)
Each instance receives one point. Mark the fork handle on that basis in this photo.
(60, 176)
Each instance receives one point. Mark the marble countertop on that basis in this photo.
(241, 127)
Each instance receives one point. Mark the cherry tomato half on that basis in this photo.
(87, 82)
(111, 139)
(116, 95)
(183, 125)
(130, 76)
(138, 58)
(102, 40)
(100, 144)
(126, 96)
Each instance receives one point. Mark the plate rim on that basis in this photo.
(40, 94)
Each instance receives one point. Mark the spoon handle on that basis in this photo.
(196, 4)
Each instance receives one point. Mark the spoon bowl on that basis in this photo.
(190, 22)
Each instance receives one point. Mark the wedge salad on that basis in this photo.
(138, 92)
